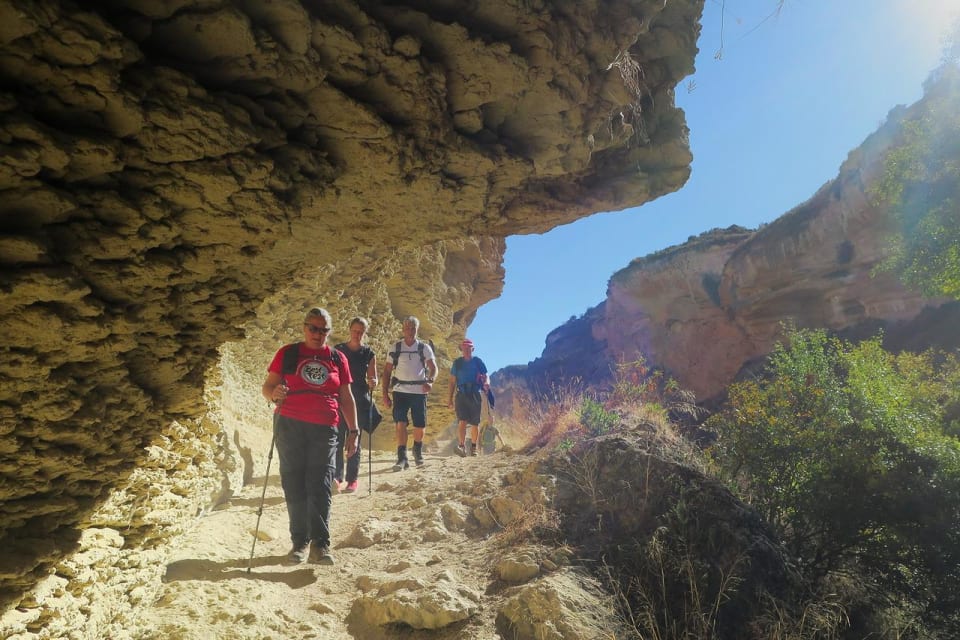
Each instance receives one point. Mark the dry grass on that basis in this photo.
(537, 522)
(660, 618)
(821, 620)
(549, 419)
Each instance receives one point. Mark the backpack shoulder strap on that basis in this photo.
(292, 355)
(395, 354)
(290, 358)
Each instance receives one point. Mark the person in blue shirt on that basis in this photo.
(468, 378)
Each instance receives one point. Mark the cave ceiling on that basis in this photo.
(167, 165)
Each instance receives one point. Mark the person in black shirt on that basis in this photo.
(363, 369)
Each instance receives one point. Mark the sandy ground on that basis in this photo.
(212, 588)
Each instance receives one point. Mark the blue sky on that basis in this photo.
(770, 122)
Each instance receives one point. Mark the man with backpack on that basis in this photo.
(410, 371)
(468, 377)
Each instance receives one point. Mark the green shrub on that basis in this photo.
(635, 383)
(849, 451)
(920, 187)
(638, 387)
(595, 419)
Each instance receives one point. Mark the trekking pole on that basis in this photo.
(263, 495)
(370, 450)
(482, 429)
(491, 420)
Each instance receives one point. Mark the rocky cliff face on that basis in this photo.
(706, 309)
(178, 175)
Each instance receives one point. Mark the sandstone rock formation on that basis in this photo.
(176, 174)
(706, 309)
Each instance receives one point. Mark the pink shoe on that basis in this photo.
(351, 487)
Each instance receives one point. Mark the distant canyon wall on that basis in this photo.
(706, 310)
(180, 175)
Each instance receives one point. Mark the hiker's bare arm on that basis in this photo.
(431, 375)
(348, 408)
(387, 370)
(372, 373)
(452, 388)
(273, 388)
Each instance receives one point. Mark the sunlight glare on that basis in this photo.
(929, 21)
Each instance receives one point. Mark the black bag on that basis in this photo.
(374, 418)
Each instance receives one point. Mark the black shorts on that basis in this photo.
(469, 406)
(414, 404)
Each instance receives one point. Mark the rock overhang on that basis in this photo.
(169, 165)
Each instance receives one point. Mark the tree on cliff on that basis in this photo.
(921, 189)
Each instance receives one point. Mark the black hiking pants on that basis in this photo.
(306, 474)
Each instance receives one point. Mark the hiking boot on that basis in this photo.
(401, 465)
(320, 554)
(418, 453)
(299, 553)
(351, 486)
(473, 450)
(460, 451)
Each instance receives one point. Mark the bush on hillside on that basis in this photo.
(850, 452)
(685, 558)
(920, 187)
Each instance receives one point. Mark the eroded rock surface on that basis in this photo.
(567, 605)
(170, 170)
(436, 604)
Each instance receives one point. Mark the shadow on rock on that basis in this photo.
(237, 569)
(255, 502)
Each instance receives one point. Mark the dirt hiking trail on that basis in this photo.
(426, 554)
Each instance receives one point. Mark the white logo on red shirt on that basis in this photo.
(314, 373)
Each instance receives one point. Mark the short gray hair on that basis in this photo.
(319, 312)
(414, 320)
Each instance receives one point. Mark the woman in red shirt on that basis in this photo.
(310, 384)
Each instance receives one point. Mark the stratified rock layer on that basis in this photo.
(169, 166)
(706, 309)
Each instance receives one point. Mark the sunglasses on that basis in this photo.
(315, 329)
